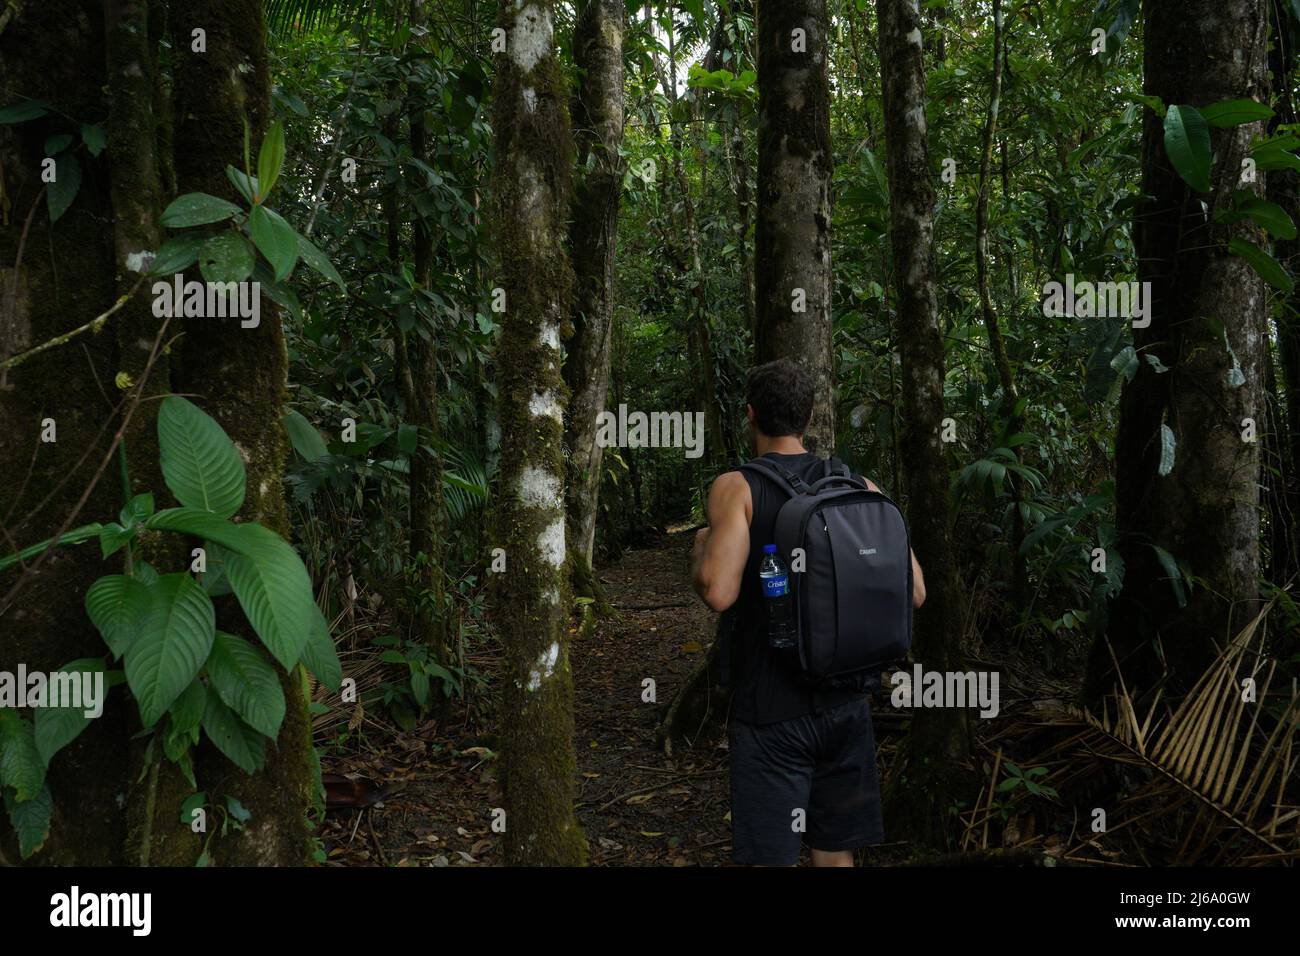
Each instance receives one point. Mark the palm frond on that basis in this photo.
(1215, 747)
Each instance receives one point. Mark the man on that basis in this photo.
(798, 752)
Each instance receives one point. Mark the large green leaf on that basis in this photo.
(1268, 268)
(269, 159)
(276, 239)
(245, 747)
(319, 261)
(304, 436)
(177, 254)
(265, 573)
(227, 257)
(67, 181)
(246, 683)
(21, 766)
(24, 111)
(117, 606)
(1187, 142)
(274, 590)
(1235, 113)
(30, 820)
(199, 463)
(196, 209)
(172, 645)
(1269, 216)
(56, 727)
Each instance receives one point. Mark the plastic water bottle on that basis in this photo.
(776, 595)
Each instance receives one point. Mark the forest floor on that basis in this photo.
(426, 797)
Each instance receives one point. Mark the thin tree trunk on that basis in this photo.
(426, 508)
(699, 346)
(534, 150)
(793, 240)
(940, 737)
(593, 241)
(1208, 314)
(1019, 567)
(1284, 189)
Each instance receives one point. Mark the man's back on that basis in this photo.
(766, 684)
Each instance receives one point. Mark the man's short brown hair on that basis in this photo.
(781, 394)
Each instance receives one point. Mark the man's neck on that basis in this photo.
(781, 445)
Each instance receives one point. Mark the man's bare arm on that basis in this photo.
(918, 579)
(721, 549)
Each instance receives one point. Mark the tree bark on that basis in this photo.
(593, 241)
(793, 240)
(534, 150)
(1284, 189)
(1207, 307)
(421, 354)
(239, 376)
(53, 278)
(940, 737)
(998, 345)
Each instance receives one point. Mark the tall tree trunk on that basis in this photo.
(998, 345)
(52, 280)
(744, 215)
(534, 150)
(698, 337)
(1208, 317)
(593, 241)
(940, 737)
(1284, 189)
(793, 242)
(425, 483)
(239, 377)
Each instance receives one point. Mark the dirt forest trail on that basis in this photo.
(425, 797)
(638, 806)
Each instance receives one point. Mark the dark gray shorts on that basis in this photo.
(823, 764)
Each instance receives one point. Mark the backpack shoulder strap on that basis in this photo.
(785, 479)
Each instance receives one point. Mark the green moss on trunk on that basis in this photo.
(531, 184)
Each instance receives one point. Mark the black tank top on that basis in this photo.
(766, 685)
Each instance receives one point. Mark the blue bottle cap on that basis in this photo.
(769, 549)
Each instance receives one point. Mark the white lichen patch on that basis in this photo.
(550, 543)
(914, 37)
(549, 337)
(545, 403)
(530, 100)
(139, 261)
(530, 37)
(545, 666)
(538, 488)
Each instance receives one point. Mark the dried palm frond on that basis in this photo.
(1212, 748)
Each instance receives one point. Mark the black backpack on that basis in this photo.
(853, 594)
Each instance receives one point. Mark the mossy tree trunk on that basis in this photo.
(1208, 326)
(593, 243)
(534, 150)
(239, 376)
(793, 240)
(54, 278)
(940, 737)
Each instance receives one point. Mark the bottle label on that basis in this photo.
(775, 585)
